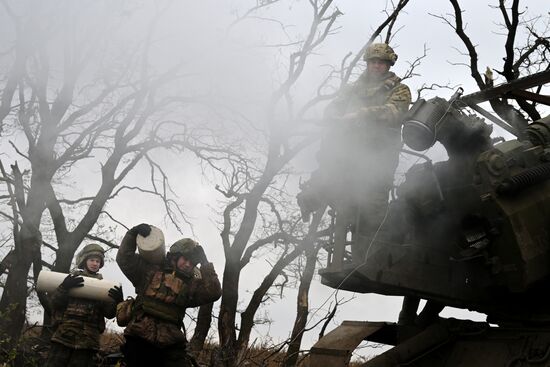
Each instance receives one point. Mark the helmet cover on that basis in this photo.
(380, 51)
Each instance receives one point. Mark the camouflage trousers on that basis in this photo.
(63, 356)
(366, 220)
(138, 352)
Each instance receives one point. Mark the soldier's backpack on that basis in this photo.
(124, 311)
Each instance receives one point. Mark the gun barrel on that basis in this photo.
(519, 84)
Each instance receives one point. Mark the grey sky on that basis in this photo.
(231, 66)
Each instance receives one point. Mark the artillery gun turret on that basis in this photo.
(471, 232)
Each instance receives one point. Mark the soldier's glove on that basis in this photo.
(142, 229)
(200, 256)
(116, 294)
(72, 281)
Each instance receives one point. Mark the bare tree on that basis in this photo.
(249, 187)
(302, 304)
(67, 115)
(252, 185)
(519, 60)
(23, 48)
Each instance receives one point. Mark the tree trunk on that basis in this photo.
(63, 259)
(13, 304)
(247, 317)
(228, 310)
(201, 329)
(302, 310)
(27, 246)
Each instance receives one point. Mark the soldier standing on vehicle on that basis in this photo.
(78, 322)
(360, 153)
(153, 334)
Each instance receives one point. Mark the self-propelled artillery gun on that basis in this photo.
(471, 232)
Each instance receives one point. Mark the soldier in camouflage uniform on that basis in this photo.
(78, 322)
(154, 335)
(358, 158)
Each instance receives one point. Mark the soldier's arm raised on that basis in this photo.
(207, 289)
(131, 264)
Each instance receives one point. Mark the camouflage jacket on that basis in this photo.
(384, 100)
(78, 322)
(203, 288)
(380, 105)
(367, 145)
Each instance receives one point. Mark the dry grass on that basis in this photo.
(32, 350)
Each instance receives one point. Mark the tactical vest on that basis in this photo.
(372, 94)
(367, 94)
(165, 297)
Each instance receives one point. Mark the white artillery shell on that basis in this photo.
(151, 248)
(96, 289)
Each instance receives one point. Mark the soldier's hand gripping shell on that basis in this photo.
(72, 281)
(116, 294)
(142, 229)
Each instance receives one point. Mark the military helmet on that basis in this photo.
(185, 247)
(381, 51)
(93, 249)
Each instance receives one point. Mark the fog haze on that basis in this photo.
(227, 70)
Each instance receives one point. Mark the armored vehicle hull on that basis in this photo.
(472, 232)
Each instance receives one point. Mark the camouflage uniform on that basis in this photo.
(368, 147)
(78, 323)
(154, 333)
(359, 155)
